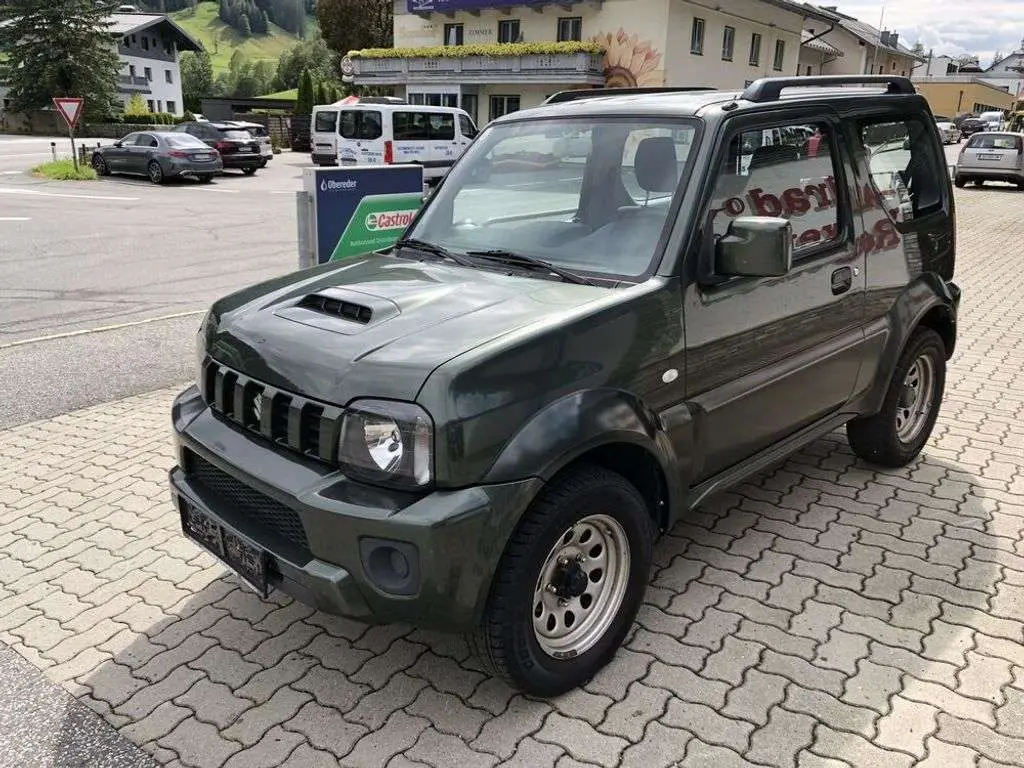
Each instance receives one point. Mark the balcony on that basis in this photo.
(133, 84)
(575, 68)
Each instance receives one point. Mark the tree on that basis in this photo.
(58, 48)
(196, 78)
(321, 93)
(353, 24)
(312, 54)
(997, 57)
(304, 100)
(918, 49)
(136, 107)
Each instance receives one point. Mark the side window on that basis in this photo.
(370, 126)
(324, 121)
(442, 127)
(347, 124)
(903, 167)
(466, 127)
(129, 140)
(783, 171)
(410, 126)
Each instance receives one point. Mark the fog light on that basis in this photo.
(392, 566)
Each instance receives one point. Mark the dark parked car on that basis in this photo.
(158, 155)
(262, 136)
(971, 126)
(237, 147)
(485, 428)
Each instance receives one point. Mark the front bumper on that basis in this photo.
(458, 536)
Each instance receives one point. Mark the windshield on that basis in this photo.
(589, 195)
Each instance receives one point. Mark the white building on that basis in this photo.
(864, 49)
(577, 44)
(148, 45)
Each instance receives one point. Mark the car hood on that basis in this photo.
(377, 326)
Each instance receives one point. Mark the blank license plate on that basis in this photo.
(990, 157)
(248, 561)
(246, 150)
(202, 156)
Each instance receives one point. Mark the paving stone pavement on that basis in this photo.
(825, 614)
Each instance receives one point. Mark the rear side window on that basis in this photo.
(994, 142)
(442, 127)
(904, 166)
(145, 140)
(360, 125)
(324, 122)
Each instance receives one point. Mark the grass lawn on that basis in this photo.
(292, 94)
(221, 41)
(64, 170)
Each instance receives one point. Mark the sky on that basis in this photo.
(950, 28)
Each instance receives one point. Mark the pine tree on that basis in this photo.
(58, 48)
(245, 28)
(321, 93)
(304, 99)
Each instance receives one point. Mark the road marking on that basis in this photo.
(5, 156)
(15, 218)
(101, 329)
(11, 173)
(219, 191)
(36, 193)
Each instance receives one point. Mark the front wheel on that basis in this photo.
(155, 172)
(959, 181)
(895, 435)
(569, 584)
(99, 164)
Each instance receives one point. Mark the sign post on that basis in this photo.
(70, 109)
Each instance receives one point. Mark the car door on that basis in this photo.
(117, 155)
(768, 356)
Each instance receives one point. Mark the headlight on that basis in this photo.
(387, 443)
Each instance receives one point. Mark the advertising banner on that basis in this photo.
(358, 209)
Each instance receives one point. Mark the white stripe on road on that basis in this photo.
(101, 329)
(15, 218)
(11, 173)
(5, 156)
(36, 193)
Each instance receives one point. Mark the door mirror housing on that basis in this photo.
(755, 246)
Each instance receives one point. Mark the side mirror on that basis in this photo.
(116, 144)
(755, 246)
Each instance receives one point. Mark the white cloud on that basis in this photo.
(950, 29)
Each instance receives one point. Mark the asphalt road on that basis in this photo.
(102, 284)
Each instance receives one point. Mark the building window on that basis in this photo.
(125, 41)
(133, 38)
(503, 105)
(453, 34)
(728, 43)
(172, 107)
(145, 43)
(570, 28)
(808, 70)
(131, 70)
(780, 55)
(697, 37)
(149, 75)
(149, 104)
(881, 69)
(168, 76)
(755, 50)
(508, 31)
(469, 104)
(159, 106)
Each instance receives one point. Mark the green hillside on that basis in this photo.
(221, 41)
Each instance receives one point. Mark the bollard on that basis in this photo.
(53, 150)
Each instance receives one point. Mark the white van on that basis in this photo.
(994, 120)
(366, 133)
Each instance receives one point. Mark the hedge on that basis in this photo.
(484, 49)
(152, 118)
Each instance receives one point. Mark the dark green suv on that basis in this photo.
(614, 306)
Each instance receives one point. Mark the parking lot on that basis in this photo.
(824, 614)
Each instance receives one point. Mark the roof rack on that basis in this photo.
(770, 88)
(593, 93)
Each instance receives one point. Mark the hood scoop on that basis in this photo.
(340, 310)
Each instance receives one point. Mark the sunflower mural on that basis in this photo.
(630, 62)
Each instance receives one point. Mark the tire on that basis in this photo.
(248, 171)
(205, 178)
(155, 172)
(100, 165)
(895, 435)
(959, 181)
(979, 182)
(585, 504)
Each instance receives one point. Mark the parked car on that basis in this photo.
(262, 136)
(971, 126)
(991, 157)
(948, 132)
(159, 156)
(237, 147)
(485, 428)
(993, 120)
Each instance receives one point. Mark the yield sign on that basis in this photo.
(70, 109)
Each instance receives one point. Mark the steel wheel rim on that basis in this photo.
(566, 624)
(914, 403)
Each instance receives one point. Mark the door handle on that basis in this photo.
(842, 280)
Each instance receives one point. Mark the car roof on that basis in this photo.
(690, 102)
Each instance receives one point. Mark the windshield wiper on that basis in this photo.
(522, 260)
(433, 250)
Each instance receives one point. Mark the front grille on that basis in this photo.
(303, 425)
(266, 513)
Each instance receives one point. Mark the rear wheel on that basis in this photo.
(100, 165)
(895, 435)
(205, 178)
(155, 172)
(248, 171)
(569, 584)
(959, 181)
(979, 182)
